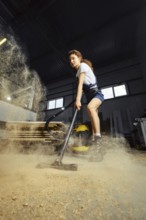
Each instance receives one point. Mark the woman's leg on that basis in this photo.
(92, 109)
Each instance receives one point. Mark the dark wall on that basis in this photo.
(129, 107)
(129, 69)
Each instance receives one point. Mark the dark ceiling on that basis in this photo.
(104, 31)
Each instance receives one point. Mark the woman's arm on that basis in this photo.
(79, 91)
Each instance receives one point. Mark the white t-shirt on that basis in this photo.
(89, 75)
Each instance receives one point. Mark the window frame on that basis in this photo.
(109, 87)
(113, 90)
(122, 84)
(55, 104)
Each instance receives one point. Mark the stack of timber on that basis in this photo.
(32, 132)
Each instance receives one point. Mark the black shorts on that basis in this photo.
(97, 95)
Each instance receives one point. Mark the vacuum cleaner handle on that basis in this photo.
(68, 136)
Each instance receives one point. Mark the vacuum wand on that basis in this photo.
(67, 136)
(58, 162)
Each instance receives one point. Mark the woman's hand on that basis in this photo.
(78, 104)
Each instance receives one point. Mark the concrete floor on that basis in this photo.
(112, 189)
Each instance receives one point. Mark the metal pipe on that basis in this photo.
(67, 136)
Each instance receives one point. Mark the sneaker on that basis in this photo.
(97, 139)
(94, 141)
(90, 141)
(97, 143)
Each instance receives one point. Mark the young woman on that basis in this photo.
(87, 83)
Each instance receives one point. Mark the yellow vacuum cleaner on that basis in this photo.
(81, 134)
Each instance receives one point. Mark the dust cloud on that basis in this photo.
(110, 188)
(19, 86)
(17, 80)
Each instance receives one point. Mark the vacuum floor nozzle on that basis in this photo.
(61, 166)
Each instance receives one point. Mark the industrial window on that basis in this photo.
(55, 103)
(114, 91)
(108, 93)
(120, 90)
